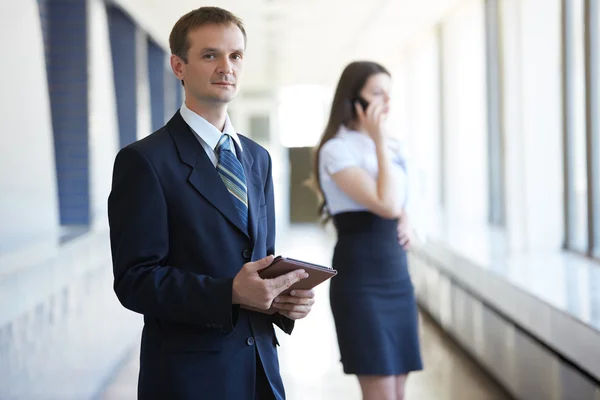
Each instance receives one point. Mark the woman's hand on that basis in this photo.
(371, 119)
(405, 233)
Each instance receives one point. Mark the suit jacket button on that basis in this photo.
(247, 254)
(250, 341)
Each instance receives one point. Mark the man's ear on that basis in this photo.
(178, 67)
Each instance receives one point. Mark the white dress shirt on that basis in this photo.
(207, 134)
(354, 149)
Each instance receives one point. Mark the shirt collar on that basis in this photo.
(394, 144)
(344, 131)
(207, 131)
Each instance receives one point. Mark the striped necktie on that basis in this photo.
(232, 173)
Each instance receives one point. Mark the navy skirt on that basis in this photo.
(372, 298)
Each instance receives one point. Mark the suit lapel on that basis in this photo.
(203, 176)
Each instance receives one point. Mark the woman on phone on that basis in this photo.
(362, 178)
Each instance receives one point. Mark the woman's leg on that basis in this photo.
(400, 385)
(378, 387)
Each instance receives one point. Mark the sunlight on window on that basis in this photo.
(303, 113)
(578, 201)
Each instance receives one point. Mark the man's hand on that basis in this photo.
(251, 290)
(404, 232)
(296, 305)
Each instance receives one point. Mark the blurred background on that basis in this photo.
(496, 100)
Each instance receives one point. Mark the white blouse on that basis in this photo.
(355, 149)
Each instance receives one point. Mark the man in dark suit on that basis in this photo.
(192, 222)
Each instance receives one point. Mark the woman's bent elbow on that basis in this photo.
(393, 212)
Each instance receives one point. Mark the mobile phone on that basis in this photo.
(363, 103)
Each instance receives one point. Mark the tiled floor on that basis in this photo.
(310, 359)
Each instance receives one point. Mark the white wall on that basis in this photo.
(28, 190)
(103, 134)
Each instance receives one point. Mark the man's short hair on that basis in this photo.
(179, 41)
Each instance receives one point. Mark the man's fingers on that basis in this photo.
(294, 300)
(302, 293)
(292, 307)
(284, 282)
(292, 315)
(259, 264)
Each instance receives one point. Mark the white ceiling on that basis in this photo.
(305, 41)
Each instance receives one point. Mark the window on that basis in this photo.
(495, 142)
(296, 102)
(581, 131)
(123, 46)
(156, 76)
(64, 26)
(465, 116)
(593, 71)
(260, 128)
(581, 42)
(575, 126)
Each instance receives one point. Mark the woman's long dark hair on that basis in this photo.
(353, 79)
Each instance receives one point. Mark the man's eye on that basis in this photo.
(209, 56)
(237, 56)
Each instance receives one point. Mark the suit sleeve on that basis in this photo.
(139, 236)
(286, 324)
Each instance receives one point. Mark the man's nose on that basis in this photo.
(225, 67)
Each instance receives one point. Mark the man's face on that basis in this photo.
(215, 60)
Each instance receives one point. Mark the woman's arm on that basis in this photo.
(380, 195)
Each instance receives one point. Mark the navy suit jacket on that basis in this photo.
(177, 243)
